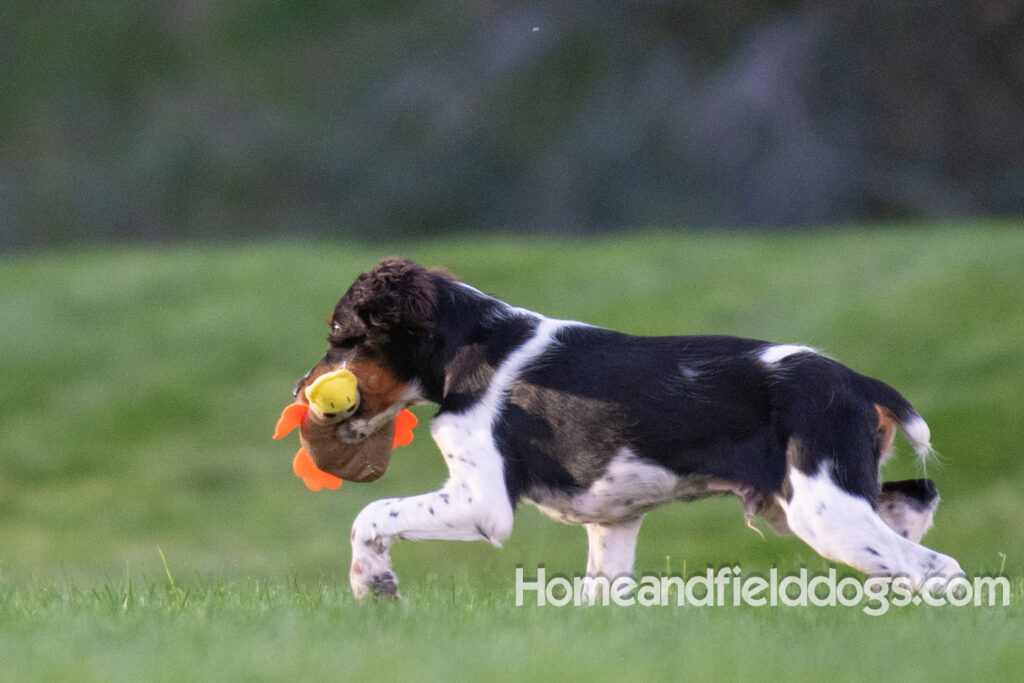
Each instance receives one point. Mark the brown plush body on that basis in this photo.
(358, 462)
(366, 460)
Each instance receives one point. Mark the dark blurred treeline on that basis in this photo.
(162, 121)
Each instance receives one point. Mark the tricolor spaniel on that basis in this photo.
(597, 427)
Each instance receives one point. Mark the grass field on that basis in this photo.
(149, 528)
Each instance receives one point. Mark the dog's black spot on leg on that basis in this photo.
(375, 544)
(444, 497)
(393, 513)
(431, 511)
(820, 509)
(872, 551)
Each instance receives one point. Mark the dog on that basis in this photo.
(596, 427)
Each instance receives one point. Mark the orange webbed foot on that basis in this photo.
(292, 416)
(314, 478)
(403, 429)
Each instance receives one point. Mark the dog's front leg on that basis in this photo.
(473, 505)
(457, 512)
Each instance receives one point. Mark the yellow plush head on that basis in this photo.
(334, 393)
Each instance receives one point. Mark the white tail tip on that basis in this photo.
(919, 435)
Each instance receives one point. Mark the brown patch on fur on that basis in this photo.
(886, 433)
(798, 457)
(379, 389)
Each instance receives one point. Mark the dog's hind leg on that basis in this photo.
(846, 528)
(611, 554)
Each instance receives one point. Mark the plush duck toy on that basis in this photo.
(324, 461)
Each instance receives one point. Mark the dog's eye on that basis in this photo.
(338, 339)
(349, 343)
(336, 334)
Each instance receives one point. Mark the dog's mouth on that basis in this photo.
(354, 429)
(381, 397)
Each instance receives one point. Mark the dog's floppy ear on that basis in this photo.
(397, 293)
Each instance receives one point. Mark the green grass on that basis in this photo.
(244, 629)
(140, 387)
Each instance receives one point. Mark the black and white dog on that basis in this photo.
(597, 427)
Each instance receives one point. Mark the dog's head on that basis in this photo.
(384, 331)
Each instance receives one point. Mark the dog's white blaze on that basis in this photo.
(778, 352)
(845, 528)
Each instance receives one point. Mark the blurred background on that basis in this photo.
(187, 187)
(177, 120)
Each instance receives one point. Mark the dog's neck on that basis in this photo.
(479, 332)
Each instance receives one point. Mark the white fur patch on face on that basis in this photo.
(778, 352)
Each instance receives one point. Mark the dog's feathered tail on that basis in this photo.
(915, 429)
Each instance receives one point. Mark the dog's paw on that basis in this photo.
(379, 585)
(941, 572)
(385, 586)
(933, 573)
